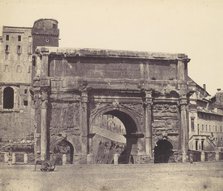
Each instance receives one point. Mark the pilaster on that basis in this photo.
(148, 122)
(84, 121)
(44, 124)
(184, 127)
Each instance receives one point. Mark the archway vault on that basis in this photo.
(132, 124)
(126, 115)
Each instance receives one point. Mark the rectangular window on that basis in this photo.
(7, 37)
(192, 123)
(25, 103)
(196, 145)
(202, 145)
(19, 49)
(25, 91)
(6, 48)
(19, 38)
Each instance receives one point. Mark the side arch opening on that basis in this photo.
(62, 148)
(162, 151)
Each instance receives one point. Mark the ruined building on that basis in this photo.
(84, 105)
(74, 89)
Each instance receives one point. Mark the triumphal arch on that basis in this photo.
(74, 88)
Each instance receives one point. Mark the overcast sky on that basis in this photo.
(191, 27)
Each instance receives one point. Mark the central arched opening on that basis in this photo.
(114, 133)
(162, 151)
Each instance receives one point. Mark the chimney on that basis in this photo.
(204, 87)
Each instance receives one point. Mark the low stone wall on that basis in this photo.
(17, 158)
(207, 156)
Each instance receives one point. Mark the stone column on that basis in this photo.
(36, 106)
(84, 120)
(44, 128)
(202, 156)
(44, 64)
(148, 123)
(64, 159)
(6, 157)
(116, 156)
(13, 158)
(90, 158)
(184, 128)
(217, 155)
(25, 158)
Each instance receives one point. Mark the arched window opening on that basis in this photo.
(8, 98)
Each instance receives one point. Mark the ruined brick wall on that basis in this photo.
(45, 32)
(16, 123)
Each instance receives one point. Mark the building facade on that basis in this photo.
(205, 121)
(16, 63)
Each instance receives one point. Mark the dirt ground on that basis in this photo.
(151, 177)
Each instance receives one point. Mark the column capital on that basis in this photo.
(84, 96)
(148, 99)
(183, 100)
(44, 104)
(43, 51)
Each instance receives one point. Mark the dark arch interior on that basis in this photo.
(64, 147)
(128, 122)
(8, 98)
(131, 128)
(162, 151)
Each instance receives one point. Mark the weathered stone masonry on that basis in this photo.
(148, 92)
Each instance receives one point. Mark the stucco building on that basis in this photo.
(205, 121)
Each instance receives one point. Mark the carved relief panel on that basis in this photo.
(166, 121)
(65, 116)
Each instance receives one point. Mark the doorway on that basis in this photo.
(162, 151)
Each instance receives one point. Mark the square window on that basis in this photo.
(25, 102)
(6, 48)
(19, 49)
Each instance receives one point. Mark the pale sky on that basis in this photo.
(193, 27)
